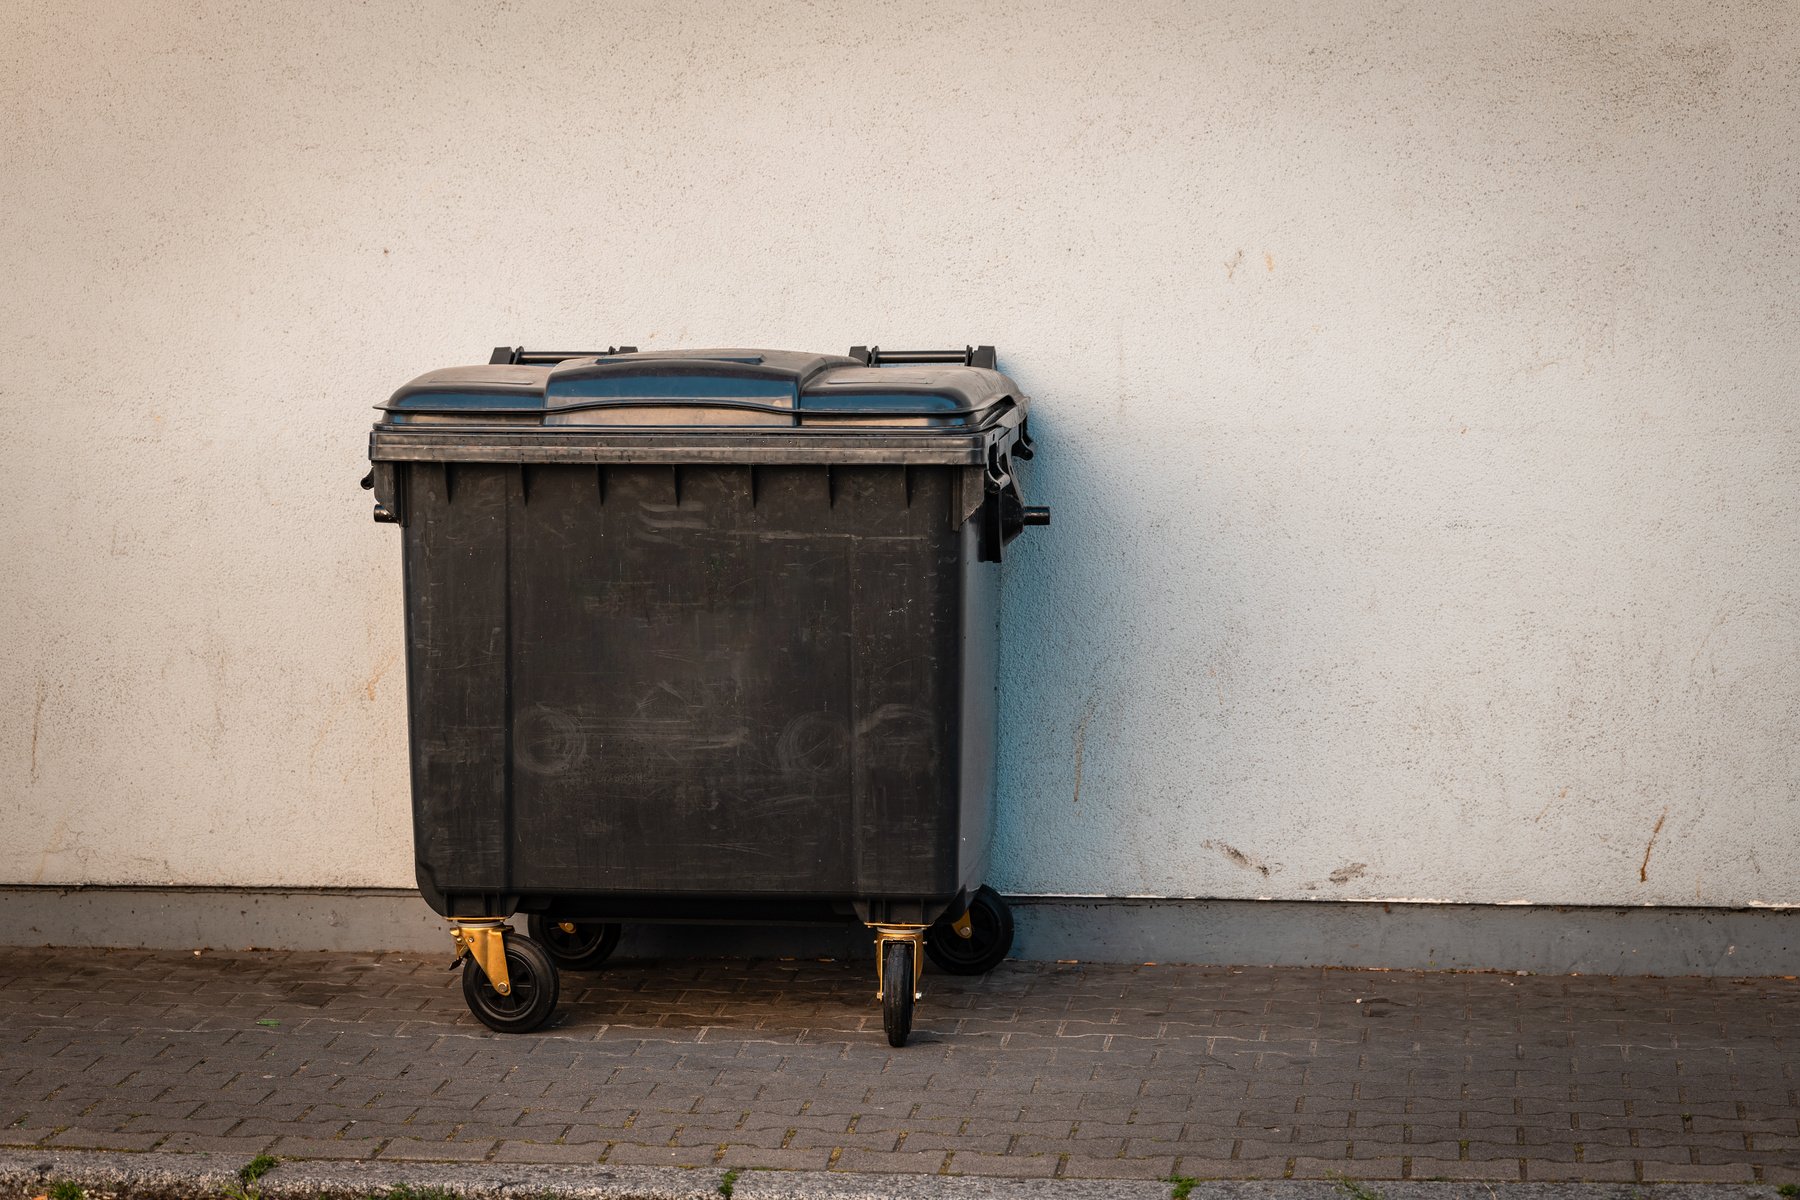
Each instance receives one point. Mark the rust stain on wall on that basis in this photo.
(382, 669)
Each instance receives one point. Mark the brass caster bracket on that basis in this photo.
(898, 933)
(965, 928)
(484, 940)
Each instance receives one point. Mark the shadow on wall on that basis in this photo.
(1113, 652)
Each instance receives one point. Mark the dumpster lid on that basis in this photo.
(731, 388)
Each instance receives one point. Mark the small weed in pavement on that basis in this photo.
(1356, 1190)
(404, 1192)
(257, 1167)
(1790, 1190)
(729, 1182)
(245, 1188)
(1183, 1185)
(65, 1189)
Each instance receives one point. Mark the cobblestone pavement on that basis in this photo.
(1037, 1070)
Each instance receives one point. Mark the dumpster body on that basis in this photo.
(703, 636)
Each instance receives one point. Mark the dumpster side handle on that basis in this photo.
(384, 480)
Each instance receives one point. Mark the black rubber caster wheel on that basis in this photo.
(897, 991)
(581, 947)
(534, 988)
(990, 937)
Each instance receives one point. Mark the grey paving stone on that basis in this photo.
(1391, 1167)
(26, 1135)
(1424, 1168)
(812, 1139)
(236, 1148)
(1080, 1167)
(1011, 1166)
(545, 1152)
(752, 1158)
(79, 1138)
(630, 1154)
(303, 1147)
(964, 1143)
(436, 1151)
(1539, 1171)
(1658, 1172)
(918, 1162)
(1216, 1168)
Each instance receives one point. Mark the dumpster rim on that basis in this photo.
(869, 447)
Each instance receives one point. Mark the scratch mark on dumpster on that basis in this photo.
(1232, 264)
(1644, 867)
(548, 741)
(914, 721)
(753, 849)
(37, 724)
(1349, 871)
(814, 744)
(1081, 741)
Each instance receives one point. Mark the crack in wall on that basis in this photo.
(1081, 742)
(1644, 867)
(37, 725)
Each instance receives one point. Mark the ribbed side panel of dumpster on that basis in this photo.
(690, 680)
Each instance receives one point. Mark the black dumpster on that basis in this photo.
(703, 636)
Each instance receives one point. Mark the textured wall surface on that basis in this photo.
(1415, 386)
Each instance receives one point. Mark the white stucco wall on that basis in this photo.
(1415, 387)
